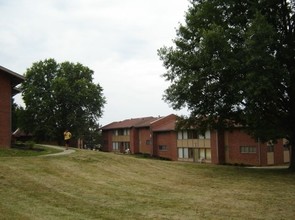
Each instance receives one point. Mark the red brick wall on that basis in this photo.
(5, 111)
(225, 148)
(144, 135)
(218, 147)
(233, 141)
(279, 152)
(168, 139)
(214, 145)
(134, 141)
(138, 137)
(107, 140)
(237, 138)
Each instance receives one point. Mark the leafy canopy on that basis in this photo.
(61, 96)
(234, 61)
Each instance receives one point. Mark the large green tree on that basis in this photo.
(234, 61)
(61, 96)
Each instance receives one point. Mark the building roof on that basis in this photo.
(166, 123)
(169, 126)
(15, 79)
(20, 133)
(129, 123)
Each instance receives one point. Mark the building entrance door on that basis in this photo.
(270, 158)
(270, 153)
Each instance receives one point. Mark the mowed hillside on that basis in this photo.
(97, 185)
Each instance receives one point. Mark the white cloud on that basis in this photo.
(117, 39)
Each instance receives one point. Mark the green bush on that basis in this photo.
(30, 144)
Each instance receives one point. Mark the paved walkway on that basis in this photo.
(64, 151)
(271, 167)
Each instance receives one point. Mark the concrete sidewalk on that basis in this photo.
(64, 151)
(271, 167)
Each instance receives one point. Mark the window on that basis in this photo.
(201, 136)
(203, 154)
(180, 152)
(126, 145)
(115, 146)
(163, 148)
(184, 135)
(148, 142)
(115, 132)
(126, 132)
(179, 135)
(270, 148)
(286, 144)
(208, 154)
(286, 147)
(192, 134)
(207, 135)
(247, 149)
(185, 153)
(121, 132)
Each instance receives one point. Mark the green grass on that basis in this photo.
(97, 185)
(25, 151)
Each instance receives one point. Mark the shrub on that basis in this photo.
(30, 144)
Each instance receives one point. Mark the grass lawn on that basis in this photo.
(97, 185)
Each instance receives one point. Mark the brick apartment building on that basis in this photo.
(157, 136)
(8, 82)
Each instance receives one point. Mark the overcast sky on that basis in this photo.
(117, 39)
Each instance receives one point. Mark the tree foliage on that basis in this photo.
(234, 61)
(15, 112)
(61, 96)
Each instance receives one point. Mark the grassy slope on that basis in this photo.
(96, 185)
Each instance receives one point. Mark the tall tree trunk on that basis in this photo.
(292, 149)
(292, 156)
